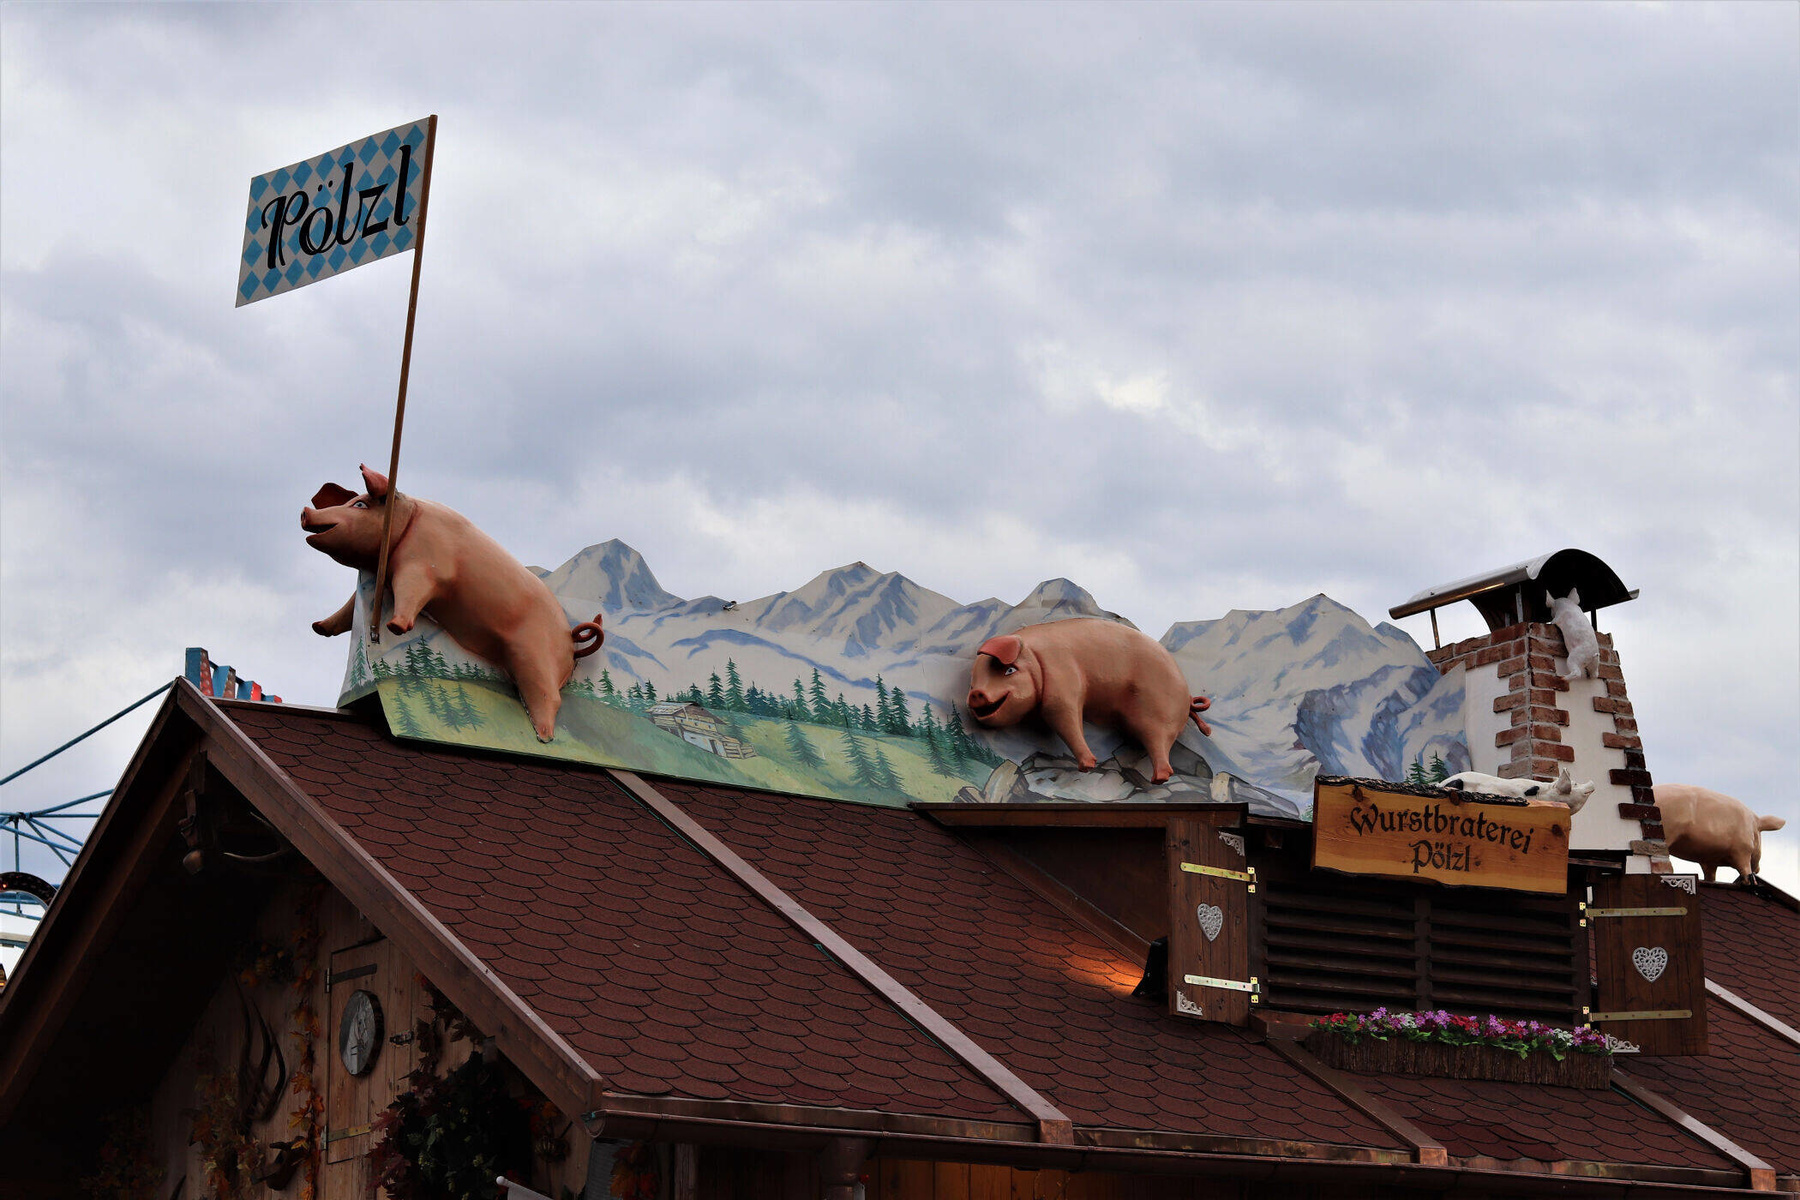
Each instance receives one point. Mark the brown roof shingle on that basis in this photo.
(1753, 948)
(1509, 1121)
(1035, 989)
(1747, 1087)
(647, 958)
(670, 978)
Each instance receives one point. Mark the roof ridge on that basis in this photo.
(570, 1079)
(1054, 1126)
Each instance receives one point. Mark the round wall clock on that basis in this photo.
(359, 1032)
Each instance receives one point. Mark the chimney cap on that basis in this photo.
(1515, 593)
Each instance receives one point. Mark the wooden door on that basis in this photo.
(352, 1101)
(1210, 881)
(1649, 969)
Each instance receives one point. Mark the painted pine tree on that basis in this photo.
(801, 747)
(974, 749)
(884, 771)
(404, 721)
(899, 720)
(862, 770)
(715, 692)
(822, 711)
(433, 702)
(466, 710)
(883, 712)
(934, 744)
(734, 687)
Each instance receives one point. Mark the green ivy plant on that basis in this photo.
(448, 1138)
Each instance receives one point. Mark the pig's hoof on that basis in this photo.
(319, 628)
(545, 738)
(398, 626)
(1087, 762)
(1162, 774)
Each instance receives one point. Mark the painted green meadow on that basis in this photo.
(800, 741)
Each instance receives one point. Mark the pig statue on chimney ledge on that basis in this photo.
(441, 565)
(1066, 672)
(1713, 829)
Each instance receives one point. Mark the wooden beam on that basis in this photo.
(1762, 1175)
(1426, 1150)
(1053, 1125)
(1046, 887)
(519, 1032)
(1768, 1021)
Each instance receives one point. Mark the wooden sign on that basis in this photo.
(1364, 829)
(1210, 881)
(1649, 969)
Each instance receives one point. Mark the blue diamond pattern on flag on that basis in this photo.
(332, 213)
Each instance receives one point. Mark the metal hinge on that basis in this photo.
(1230, 985)
(1248, 876)
(1656, 1014)
(332, 977)
(1672, 911)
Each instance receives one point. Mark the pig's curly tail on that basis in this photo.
(1196, 706)
(588, 635)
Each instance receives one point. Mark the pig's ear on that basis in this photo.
(1005, 648)
(376, 483)
(332, 495)
(1575, 597)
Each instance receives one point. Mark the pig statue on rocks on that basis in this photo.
(1713, 829)
(441, 565)
(1100, 671)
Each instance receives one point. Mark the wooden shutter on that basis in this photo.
(1210, 881)
(1649, 969)
(352, 1101)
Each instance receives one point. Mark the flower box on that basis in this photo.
(1394, 1056)
(1455, 1047)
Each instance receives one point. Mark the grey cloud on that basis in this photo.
(1421, 291)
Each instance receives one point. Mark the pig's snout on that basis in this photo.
(311, 523)
(982, 706)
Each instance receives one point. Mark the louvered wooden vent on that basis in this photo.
(1329, 947)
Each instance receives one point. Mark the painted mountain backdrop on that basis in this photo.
(1296, 690)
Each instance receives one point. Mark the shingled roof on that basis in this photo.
(676, 959)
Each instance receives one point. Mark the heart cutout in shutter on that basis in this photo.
(1212, 919)
(1650, 961)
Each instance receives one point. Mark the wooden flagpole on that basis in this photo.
(412, 309)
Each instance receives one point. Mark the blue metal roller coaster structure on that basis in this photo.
(25, 895)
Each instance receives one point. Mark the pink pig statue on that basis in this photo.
(1100, 671)
(440, 564)
(1713, 829)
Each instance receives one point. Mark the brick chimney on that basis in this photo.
(1523, 720)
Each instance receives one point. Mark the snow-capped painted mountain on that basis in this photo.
(615, 575)
(1294, 690)
(1312, 687)
(856, 607)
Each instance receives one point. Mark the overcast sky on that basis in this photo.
(1203, 307)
